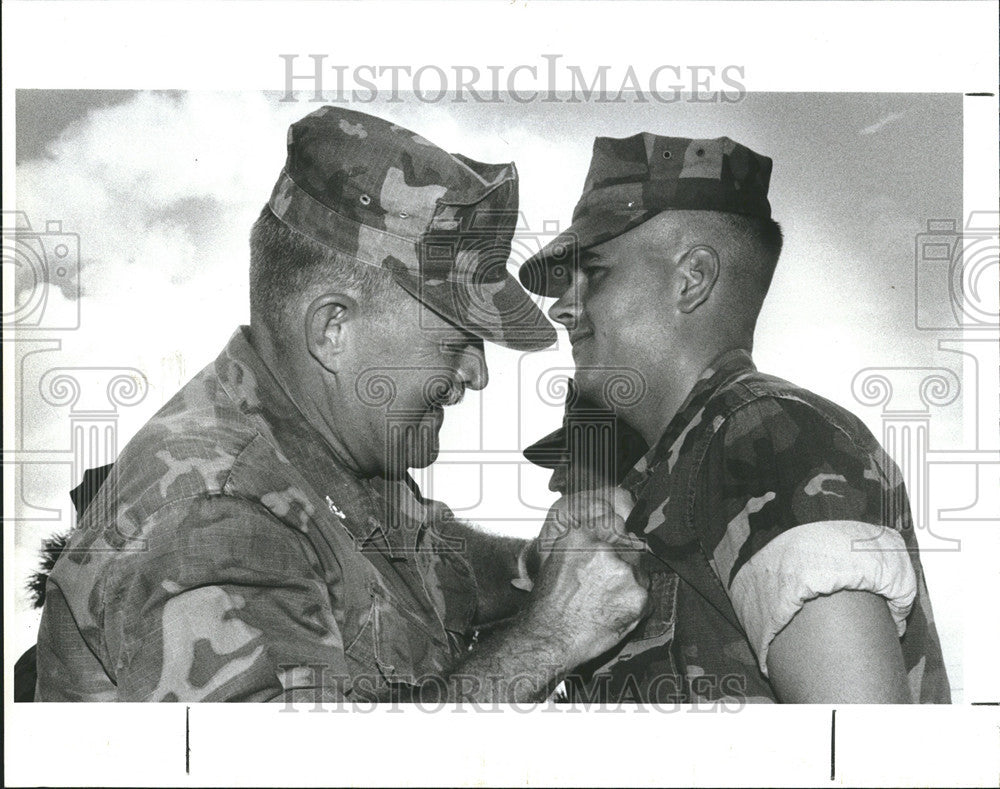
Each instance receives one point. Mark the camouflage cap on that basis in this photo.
(592, 441)
(634, 178)
(441, 224)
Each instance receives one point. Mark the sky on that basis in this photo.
(161, 188)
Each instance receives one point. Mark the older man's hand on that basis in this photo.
(600, 513)
(588, 595)
(590, 590)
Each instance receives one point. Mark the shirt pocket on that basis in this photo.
(450, 585)
(394, 648)
(656, 630)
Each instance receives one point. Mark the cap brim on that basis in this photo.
(549, 452)
(552, 451)
(484, 300)
(548, 271)
(499, 312)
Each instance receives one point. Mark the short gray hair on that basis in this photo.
(284, 264)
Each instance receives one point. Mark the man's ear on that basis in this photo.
(331, 320)
(699, 271)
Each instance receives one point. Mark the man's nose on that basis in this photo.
(566, 310)
(472, 369)
(558, 480)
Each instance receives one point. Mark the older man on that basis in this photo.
(785, 565)
(260, 538)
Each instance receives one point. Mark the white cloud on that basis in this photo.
(881, 123)
(162, 190)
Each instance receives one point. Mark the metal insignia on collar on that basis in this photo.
(335, 509)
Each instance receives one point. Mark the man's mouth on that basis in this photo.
(437, 406)
(451, 397)
(578, 337)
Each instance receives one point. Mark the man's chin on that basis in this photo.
(591, 384)
(398, 468)
(417, 447)
(614, 388)
(422, 454)
(424, 460)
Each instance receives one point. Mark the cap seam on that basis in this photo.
(324, 207)
(507, 179)
(327, 209)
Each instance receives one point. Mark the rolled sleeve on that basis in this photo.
(795, 504)
(820, 559)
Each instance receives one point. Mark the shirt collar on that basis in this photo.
(367, 504)
(723, 366)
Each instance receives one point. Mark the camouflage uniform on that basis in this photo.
(759, 496)
(231, 556)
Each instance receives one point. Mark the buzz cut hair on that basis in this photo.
(284, 264)
(749, 246)
(756, 242)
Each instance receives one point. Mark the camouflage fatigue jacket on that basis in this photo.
(231, 556)
(759, 496)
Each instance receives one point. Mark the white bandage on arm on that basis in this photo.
(819, 559)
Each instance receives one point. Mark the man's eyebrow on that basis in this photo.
(588, 256)
(453, 334)
(464, 338)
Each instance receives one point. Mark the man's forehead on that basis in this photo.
(654, 233)
(607, 252)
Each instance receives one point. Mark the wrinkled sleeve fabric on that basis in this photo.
(223, 603)
(793, 507)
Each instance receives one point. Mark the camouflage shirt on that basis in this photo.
(231, 556)
(758, 497)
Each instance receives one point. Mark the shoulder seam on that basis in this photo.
(238, 457)
(791, 398)
(257, 506)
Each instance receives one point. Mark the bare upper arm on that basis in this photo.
(839, 648)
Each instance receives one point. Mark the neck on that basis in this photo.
(665, 397)
(295, 373)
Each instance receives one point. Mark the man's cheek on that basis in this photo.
(590, 380)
